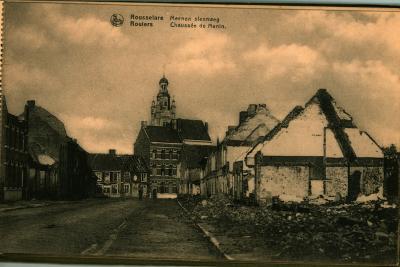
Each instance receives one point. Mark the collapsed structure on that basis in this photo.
(254, 123)
(316, 150)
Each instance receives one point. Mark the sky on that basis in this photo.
(100, 80)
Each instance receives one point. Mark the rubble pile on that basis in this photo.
(355, 232)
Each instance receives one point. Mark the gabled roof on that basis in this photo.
(113, 162)
(336, 123)
(321, 116)
(104, 162)
(255, 125)
(134, 163)
(192, 130)
(162, 134)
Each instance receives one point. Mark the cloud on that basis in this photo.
(205, 53)
(90, 31)
(100, 80)
(293, 61)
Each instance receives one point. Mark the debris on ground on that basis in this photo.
(348, 232)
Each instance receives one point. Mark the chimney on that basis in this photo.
(31, 103)
(206, 126)
(262, 106)
(230, 130)
(143, 124)
(242, 116)
(112, 152)
(251, 110)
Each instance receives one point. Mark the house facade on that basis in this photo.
(254, 123)
(119, 175)
(58, 167)
(316, 150)
(13, 154)
(163, 142)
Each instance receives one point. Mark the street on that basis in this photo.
(151, 229)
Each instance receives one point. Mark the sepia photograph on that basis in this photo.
(199, 133)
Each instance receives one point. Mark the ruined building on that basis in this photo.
(254, 123)
(316, 150)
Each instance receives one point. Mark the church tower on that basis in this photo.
(163, 110)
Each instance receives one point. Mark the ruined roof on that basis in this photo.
(162, 134)
(255, 125)
(192, 130)
(302, 132)
(38, 113)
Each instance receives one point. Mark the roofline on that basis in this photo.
(373, 140)
(165, 143)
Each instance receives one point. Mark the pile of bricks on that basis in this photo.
(333, 232)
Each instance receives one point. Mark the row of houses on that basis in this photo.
(120, 175)
(316, 150)
(38, 159)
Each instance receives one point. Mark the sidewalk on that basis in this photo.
(25, 204)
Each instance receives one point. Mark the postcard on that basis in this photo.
(199, 134)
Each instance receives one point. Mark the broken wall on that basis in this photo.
(338, 181)
(371, 178)
(282, 180)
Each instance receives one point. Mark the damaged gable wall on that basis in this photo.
(306, 156)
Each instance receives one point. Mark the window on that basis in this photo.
(162, 188)
(99, 176)
(126, 188)
(162, 170)
(171, 154)
(107, 177)
(158, 154)
(113, 177)
(154, 154)
(170, 172)
(174, 172)
(163, 154)
(174, 154)
(106, 190)
(114, 189)
(153, 170)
